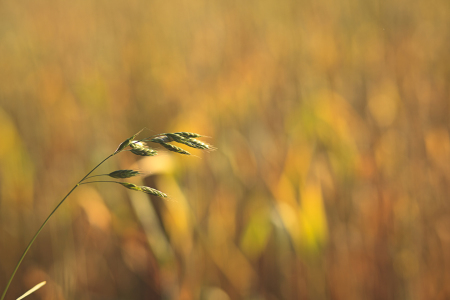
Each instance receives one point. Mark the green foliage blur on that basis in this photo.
(332, 175)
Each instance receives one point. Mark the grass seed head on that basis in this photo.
(188, 135)
(173, 148)
(126, 143)
(137, 144)
(193, 143)
(162, 139)
(175, 137)
(130, 186)
(123, 174)
(151, 191)
(144, 151)
(198, 144)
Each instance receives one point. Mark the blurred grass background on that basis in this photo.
(331, 119)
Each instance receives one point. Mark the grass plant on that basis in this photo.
(138, 147)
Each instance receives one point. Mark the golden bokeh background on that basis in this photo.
(331, 178)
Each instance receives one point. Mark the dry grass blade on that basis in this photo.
(32, 290)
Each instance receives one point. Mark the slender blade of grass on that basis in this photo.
(32, 290)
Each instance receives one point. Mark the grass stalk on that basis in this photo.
(100, 181)
(141, 150)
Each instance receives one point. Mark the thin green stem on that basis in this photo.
(45, 222)
(96, 176)
(100, 181)
(96, 168)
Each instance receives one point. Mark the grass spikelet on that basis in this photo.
(130, 186)
(197, 144)
(126, 143)
(162, 139)
(137, 144)
(151, 191)
(193, 143)
(123, 174)
(188, 135)
(175, 137)
(173, 148)
(202, 145)
(144, 151)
